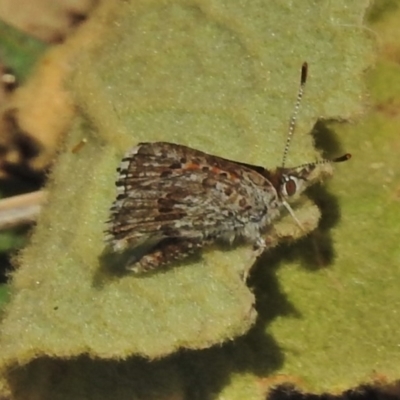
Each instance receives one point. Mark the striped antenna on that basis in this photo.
(292, 124)
(342, 158)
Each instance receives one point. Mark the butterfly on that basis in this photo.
(173, 200)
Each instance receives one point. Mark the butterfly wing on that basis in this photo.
(167, 190)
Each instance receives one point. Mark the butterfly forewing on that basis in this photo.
(172, 191)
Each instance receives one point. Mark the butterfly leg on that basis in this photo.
(259, 246)
(164, 253)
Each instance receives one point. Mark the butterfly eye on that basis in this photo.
(289, 186)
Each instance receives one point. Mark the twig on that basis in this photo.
(21, 210)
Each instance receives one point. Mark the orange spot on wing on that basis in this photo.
(214, 170)
(192, 166)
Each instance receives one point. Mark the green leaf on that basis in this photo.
(220, 78)
(4, 295)
(18, 50)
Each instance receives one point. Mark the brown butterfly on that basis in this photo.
(172, 199)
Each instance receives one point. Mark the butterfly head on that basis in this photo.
(290, 182)
(293, 181)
